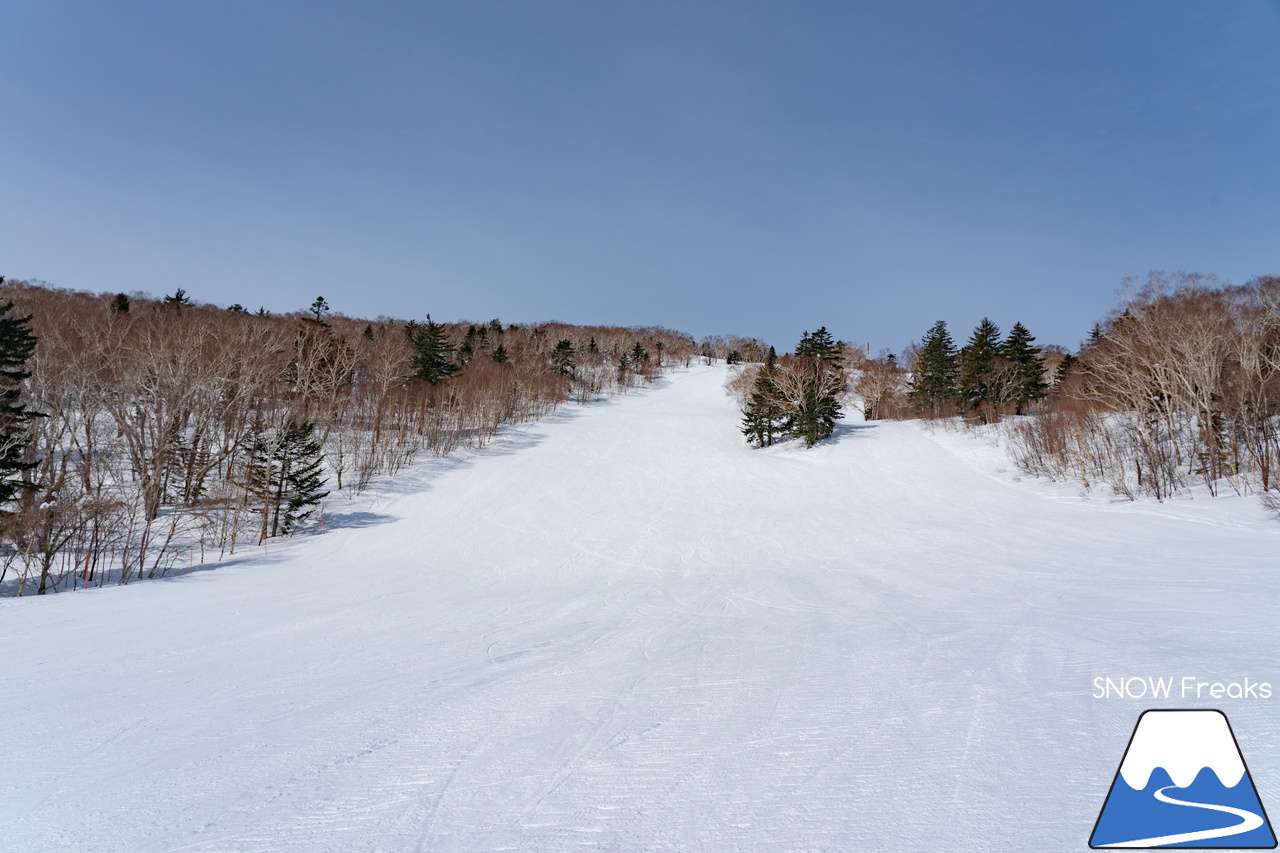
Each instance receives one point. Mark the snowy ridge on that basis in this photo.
(1183, 743)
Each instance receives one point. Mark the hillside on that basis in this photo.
(620, 628)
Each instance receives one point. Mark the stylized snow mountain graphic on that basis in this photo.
(1183, 783)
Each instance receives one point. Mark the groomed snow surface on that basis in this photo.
(622, 629)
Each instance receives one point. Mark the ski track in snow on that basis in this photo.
(622, 629)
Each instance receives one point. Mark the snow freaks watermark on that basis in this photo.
(1183, 783)
(1185, 687)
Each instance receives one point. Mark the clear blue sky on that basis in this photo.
(732, 167)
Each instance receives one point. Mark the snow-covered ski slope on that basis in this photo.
(621, 629)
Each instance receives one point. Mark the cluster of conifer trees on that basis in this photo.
(796, 395)
(1179, 385)
(986, 378)
(137, 434)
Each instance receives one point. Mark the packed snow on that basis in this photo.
(621, 628)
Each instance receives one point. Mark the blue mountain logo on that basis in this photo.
(1183, 783)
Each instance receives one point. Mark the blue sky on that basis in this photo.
(737, 167)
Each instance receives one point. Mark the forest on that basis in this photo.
(140, 434)
(143, 434)
(1178, 388)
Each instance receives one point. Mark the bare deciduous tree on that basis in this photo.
(143, 453)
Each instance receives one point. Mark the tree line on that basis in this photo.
(985, 379)
(137, 433)
(733, 349)
(800, 394)
(1179, 385)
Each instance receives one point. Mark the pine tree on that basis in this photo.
(814, 344)
(562, 358)
(822, 346)
(120, 304)
(1064, 369)
(178, 299)
(933, 386)
(306, 477)
(17, 346)
(433, 360)
(286, 476)
(977, 366)
(765, 417)
(815, 417)
(1018, 349)
(499, 354)
(819, 366)
(319, 308)
(471, 345)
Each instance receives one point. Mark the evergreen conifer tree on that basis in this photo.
(120, 304)
(822, 346)
(17, 346)
(319, 308)
(562, 358)
(1018, 349)
(1064, 369)
(499, 354)
(470, 345)
(306, 480)
(977, 366)
(815, 417)
(286, 476)
(820, 367)
(933, 386)
(765, 415)
(434, 358)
